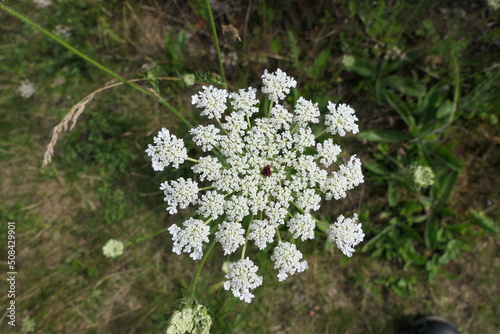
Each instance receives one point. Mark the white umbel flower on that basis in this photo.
(113, 248)
(191, 238)
(230, 235)
(245, 101)
(27, 88)
(423, 176)
(277, 84)
(205, 136)
(346, 234)
(287, 259)
(341, 119)
(259, 166)
(179, 193)
(328, 152)
(211, 205)
(302, 225)
(212, 101)
(262, 232)
(306, 112)
(242, 278)
(168, 149)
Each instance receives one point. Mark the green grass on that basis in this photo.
(437, 106)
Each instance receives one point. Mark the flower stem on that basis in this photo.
(243, 251)
(146, 237)
(93, 62)
(192, 287)
(216, 42)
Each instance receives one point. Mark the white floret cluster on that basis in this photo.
(265, 174)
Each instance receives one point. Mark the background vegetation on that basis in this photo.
(423, 77)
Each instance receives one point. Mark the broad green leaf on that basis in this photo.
(385, 136)
(407, 86)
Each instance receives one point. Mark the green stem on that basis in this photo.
(243, 251)
(93, 62)
(456, 83)
(193, 160)
(216, 41)
(320, 134)
(192, 287)
(146, 237)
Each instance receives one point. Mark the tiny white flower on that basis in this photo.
(287, 260)
(205, 136)
(212, 101)
(328, 152)
(281, 117)
(346, 234)
(179, 193)
(341, 119)
(302, 226)
(262, 232)
(209, 168)
(230, 236)
(42, 3)
(277, 84)
(423, 176)
(211, 205)
(306, 112)
(113, 248)
(191, 238)
(242, 278)
(245, 101)
(352, 172)
(308, 200)
(27, 88)
(168, 149)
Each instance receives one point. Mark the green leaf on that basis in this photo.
(319, 65)
(363, 67)
(437, 155)
(392, 196)
(407, 86)
(444, 184)
(385, 136)
(376, 168)
(431, 231)
(401, 107)
(445, 110)
(480, 219)
(373, 241)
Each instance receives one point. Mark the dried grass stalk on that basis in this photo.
(77, 110)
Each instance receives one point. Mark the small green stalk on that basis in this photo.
(192, 287)
(146, 237)
(216, 42)
(91, 61)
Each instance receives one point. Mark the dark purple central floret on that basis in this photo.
(266, 171)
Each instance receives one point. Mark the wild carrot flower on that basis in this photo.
(423, 176)
(267, 173)
(113, 248)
